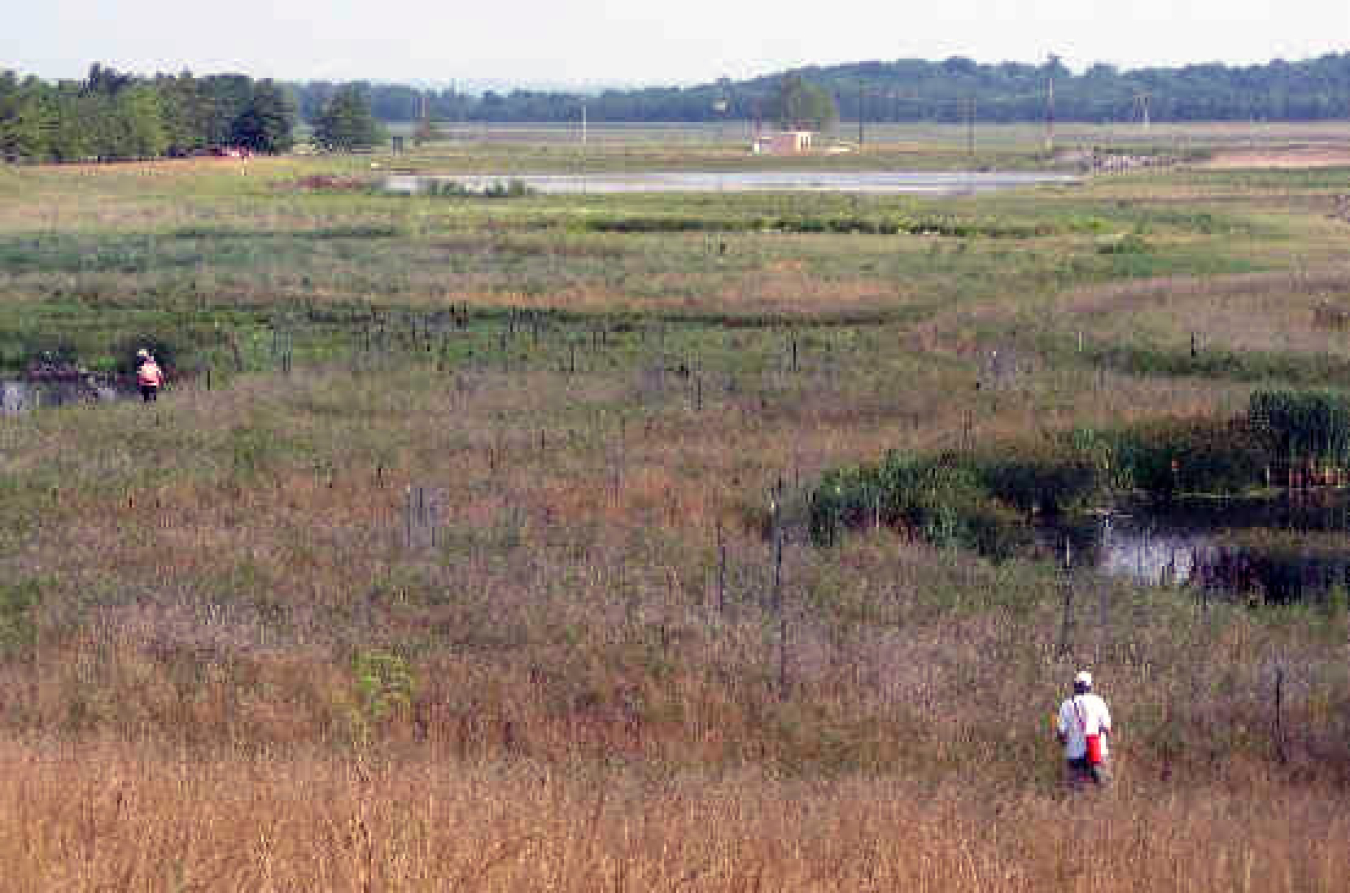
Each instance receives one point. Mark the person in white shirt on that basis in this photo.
(1083, 727)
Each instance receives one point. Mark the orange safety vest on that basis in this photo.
(149, 375)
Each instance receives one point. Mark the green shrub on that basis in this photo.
(981, 499)
(513, 188)
(45, 350)
(941, 499)
(1193, 455)
(1300, 425)
(1129, 243)
(384, 683)
(1048, 477)
(18, 626)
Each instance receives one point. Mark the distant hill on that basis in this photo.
(916, 90)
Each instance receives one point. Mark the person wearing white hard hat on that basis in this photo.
(1083, 727)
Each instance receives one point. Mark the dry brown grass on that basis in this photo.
(101, 817)
(1281, 312)
(1291, 158)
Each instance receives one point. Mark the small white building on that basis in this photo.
(783, 142)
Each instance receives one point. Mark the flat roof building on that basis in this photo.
(783, 142)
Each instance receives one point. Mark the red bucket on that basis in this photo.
(1094, 749)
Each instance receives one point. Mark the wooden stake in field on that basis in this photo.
(721, 569)
(1280, 752)
(777, 598)
(1103, 618)
(1066, 623)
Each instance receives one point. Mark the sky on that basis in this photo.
(590, 43)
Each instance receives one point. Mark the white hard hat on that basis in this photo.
(1083, 678)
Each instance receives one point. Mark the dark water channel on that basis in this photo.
(1284, 548)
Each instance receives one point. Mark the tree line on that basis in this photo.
(113, 115)
(912, 90)
(116, 115)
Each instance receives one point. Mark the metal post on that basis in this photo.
(778, 602)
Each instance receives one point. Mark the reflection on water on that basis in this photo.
(1285, 548)
(1148, 556)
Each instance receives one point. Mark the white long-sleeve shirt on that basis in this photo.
(1080, 716)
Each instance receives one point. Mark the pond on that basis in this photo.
(1289, 547)
(876, 182)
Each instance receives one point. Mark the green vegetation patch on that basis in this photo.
(980, 498)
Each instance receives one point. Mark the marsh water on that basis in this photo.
(1288, 547)
(873, 182)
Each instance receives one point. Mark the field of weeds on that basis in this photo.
(469, 548)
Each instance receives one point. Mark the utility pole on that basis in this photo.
(1050, 116)
(970, 127)
(860, 114)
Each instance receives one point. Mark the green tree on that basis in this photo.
(802, 105)
(69, 132)
(225, 97)
(185, 110)
(139, 123)
(107, 80)
(266, 123)
(23, 118)
(346, 122)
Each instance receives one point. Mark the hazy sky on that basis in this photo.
(643, 42)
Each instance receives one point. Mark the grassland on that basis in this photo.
(458, 569)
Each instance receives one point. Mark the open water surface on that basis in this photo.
(878, 182)
(1289, 547)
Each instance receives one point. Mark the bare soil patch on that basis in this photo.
(1282, 159)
